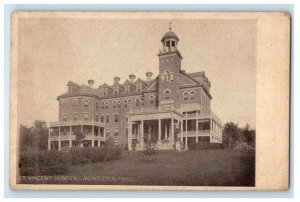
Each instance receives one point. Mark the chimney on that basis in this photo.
(91, 82)
(149, 75)
(117, 79)
(131, 78)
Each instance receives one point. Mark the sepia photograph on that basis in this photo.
(138, 99)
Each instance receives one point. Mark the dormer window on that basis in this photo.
(70, 89)
(105, 92)
(127, 89)
(139, 87)
(116, 90)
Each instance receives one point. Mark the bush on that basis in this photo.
(43, 163)
(95, 154)
(205, 145)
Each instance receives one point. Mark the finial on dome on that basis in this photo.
(170, 26)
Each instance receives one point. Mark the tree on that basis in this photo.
(249, 135)
(34, 137)
(79, 137)
(231, 134)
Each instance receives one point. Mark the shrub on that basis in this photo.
(43, 163)
(205, 145)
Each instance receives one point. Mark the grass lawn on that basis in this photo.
(192, 167)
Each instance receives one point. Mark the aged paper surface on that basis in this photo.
(253, 51)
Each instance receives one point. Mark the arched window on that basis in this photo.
(192, 95)
(125, 103)
(118, 104)
(97, 105)
(102, 105)
(137, 102)
(106, 105)
(167, 94)
(151, 98)
(185, 96)
(86, 103)
(114, 104)
(75, 103)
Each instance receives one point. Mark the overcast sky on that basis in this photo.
(53, 51)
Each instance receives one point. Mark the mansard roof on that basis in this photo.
(139, 81)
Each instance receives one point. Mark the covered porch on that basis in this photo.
(162, 128)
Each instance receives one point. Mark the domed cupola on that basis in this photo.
(170, 39)
(169, 43)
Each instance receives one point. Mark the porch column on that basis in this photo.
(49, 143)
(166, 131)
(186, 137)
(81, 144)
(93, 133)
(70, 140)
(181, 134)
(59, 139)
(197, 130)
(210, 130)
(142, 133)
(172, 130)
(159, 129)
(149, 131)
(129, 136)
(99, 141)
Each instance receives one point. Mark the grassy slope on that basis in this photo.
(206, 167)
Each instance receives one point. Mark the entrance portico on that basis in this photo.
(160, 126)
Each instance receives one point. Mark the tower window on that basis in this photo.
(192, 95)
(173, 43)
(185, 96)
(86, 103)
(151, 99)
(167, 94)
(137, 102)
(168, 44)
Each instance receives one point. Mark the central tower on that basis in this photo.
(169, 67)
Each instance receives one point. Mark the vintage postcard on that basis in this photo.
(149, 100)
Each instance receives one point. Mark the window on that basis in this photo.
(129, 103)
(75, 116)
(116, 90)
(139, 87)
(107, 118)
(107, 132)
(167, 94)
(97, 117)
(102, 105)
(97, 105)
(106, 105)
(116, 132)
(151, 98)
(126, 119)
(102, 119)
(116, 118)
(125, 103)
(192, 95)
(137, 102)
(114, 104)
(64, 104)
(86, 103)
(116, 142)
(86, 116)
(185, 96)
(127, 89)
(105, 92)
(70, 89)
(118, 104)
(75, 103)
(65, 117)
